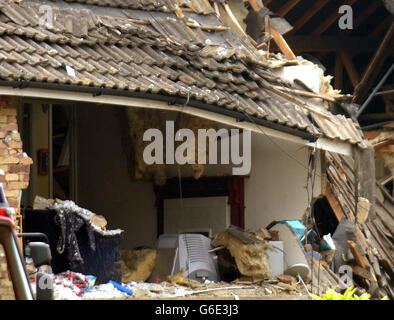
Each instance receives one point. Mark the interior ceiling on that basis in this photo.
(371, 21)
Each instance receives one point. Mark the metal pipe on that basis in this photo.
(376, 125)
(171, 100)
(365, 104)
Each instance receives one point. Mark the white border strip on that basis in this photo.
(322, 143)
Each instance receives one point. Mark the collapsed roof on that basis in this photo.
(170, 48)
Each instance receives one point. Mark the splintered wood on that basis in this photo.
(248, 252)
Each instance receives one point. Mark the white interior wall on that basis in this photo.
(275, 189)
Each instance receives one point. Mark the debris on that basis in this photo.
(274, 235)
(99, 220)
(137, 265)
(180, 279)
(248, 252)
(294, 254)
(121, 288)
(363, 206)
(361, 260)
(264, 233)
(164, 264)
(286, 278)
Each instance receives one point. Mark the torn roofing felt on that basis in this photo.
(152, 46)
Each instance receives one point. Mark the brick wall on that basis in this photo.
(14, 173)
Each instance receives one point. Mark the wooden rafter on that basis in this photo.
(287, 7)
(350, 69)
(308, 14)
(331, 19)
(360, 19)
(279, 40)
(282, 44)
(373, 69)
(338, 79)
(382, 26)
(332, 43)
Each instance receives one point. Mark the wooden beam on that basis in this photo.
(334, 203)
(290, 4)
(332, 43)
(283, 46)
(360, 19)
(373, 69)
(371, 134)
(377, 116)
(307, 15)
(361, 260)
(338, 79)
(255, 6)
(382, 26)
(331, 19)
(350, 69)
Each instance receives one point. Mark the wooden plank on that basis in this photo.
(387, 196)
(363, 16)
(382, 235)
(331, 19)
(386, 222)
(371, 134)
(290, 4)
(364, 273)
(334, 203)
(387, 149)
(338, 79)
(373, 69)
(361, 238)
(361, 260)
(351, 70)
(308, 15)
(385, 207)
(255, 6)
(377, 116)
(382, 26)
(382, 247)
(327, 43)
(282, 44)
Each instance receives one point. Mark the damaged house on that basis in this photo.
(81, 82)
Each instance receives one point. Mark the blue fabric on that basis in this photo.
(297, 226)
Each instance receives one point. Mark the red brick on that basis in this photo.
(24, 177)
(9, 126)
(2, 178)
(16, 136)
(12, 193)
(11, 177)
(25, 160)
(9, 160)
(11, 119)
(8, 111)
(3, 134)
(14, 144)
(13, 202)
(17, 185)
(4, 152)
(19, 169)
(4, 119)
